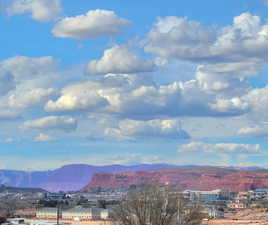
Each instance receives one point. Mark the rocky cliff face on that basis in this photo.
(67, 178)
(193, 178)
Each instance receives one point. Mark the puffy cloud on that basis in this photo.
(233, 105)
(258, 101)
(254, 131)
(40, 10)
(22, 67)
(76, 97)
(189, 40)
(95, 23)
(119, 59)
(253, 105)
(179, 37)
(137, 97)
(227, 79)
(29, 98)
(27, 82)
(133, 129)
(219, 148)
(52, 122)
(229, 56)
(103, 94)
(44, 138)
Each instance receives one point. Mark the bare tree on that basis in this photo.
(156, 205)
(8, 207)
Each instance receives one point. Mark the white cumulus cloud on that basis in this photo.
(29, 98)
(119, 59)
(94, 23)
(40, 10)
(133, 129)
(184, 39)
(219, 148)
(81, 96)
(52, 123)
(254, 131)
(137, 97)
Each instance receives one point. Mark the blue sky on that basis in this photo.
(116, 82)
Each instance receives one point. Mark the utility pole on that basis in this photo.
(58, 213)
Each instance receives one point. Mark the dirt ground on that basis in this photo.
(234, 222)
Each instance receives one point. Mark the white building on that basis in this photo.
(15, 221)
(76, 214)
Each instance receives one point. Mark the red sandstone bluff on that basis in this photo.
(198, 178)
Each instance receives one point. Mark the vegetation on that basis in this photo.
(156, 205)
(9, 205)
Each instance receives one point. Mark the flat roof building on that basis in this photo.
(77, 214)
(48, 213)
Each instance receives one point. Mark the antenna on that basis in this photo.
(58, 213)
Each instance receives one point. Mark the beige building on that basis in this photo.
(80, 214)
(48, 213)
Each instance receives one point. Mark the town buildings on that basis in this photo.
(76, 213)
(213, 195)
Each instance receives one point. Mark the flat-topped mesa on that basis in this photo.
(193, 178)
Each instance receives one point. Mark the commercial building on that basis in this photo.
(77, 214)
(55, 196)
(48, 213)
(81, 214)
(213, 195)
(259, 194)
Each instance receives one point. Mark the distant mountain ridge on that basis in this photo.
(195, 178)
(74, 177)
(4, 189)
(67, 178)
